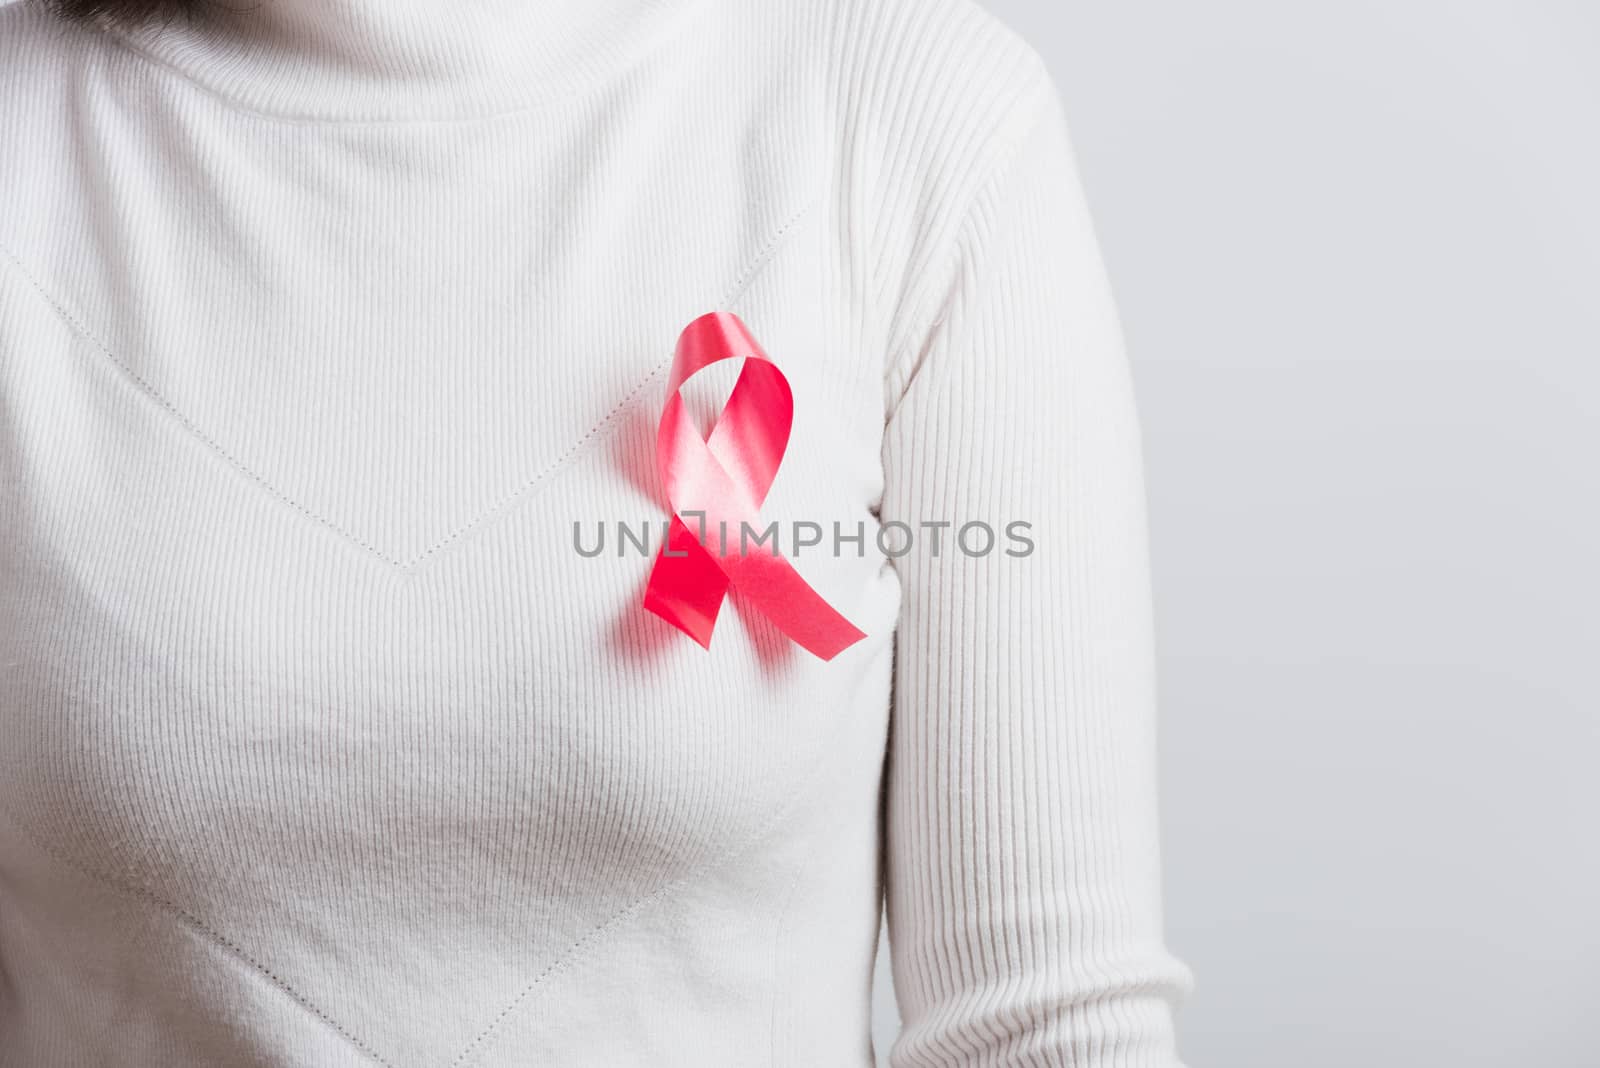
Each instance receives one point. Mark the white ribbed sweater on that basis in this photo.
(320, 744)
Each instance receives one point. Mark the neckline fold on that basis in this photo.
(405, 60)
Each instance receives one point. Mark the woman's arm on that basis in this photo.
(1023, 884)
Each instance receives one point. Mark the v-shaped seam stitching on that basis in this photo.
(611, 419)
(199, 927)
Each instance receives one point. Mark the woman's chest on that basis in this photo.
(283, 592)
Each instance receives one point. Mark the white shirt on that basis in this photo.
(322, 326)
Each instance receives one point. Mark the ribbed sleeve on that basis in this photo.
(1023, 890)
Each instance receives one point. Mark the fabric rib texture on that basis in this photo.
(333, 331)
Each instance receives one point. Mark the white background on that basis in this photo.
(1356, 248)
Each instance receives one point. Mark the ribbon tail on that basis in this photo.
(686, 586)
(784, 597)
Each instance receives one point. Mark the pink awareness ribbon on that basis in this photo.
(721, 481)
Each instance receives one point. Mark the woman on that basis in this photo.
(332, 334)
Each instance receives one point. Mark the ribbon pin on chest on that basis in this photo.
(720, 482)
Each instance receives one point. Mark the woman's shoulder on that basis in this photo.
(935, 96)
(935, 92)
(959, 39)
(940, 63)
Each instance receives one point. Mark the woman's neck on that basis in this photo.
(380, 60)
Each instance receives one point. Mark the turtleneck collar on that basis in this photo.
(396, 60)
